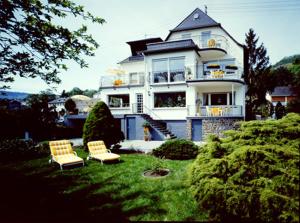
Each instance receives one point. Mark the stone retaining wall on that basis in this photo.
(218, 125)
(189, 129)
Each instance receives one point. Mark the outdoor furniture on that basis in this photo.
(63, 154)
(98, 151)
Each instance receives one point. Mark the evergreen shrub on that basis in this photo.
(177, 149)
(101, 125)
(252, 175)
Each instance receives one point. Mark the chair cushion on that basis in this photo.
(105, 156)
(67, 159)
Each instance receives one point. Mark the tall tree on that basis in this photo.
(33, 45)
(258, 79)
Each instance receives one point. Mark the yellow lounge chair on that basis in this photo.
(63, 154)
(98, 151)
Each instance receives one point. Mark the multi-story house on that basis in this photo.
(187, 86)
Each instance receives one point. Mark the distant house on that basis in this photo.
(282, 94)
(58, 103)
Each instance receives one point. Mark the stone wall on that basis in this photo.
(217, 125)
(189, 129)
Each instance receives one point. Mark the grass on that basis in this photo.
(37, 191)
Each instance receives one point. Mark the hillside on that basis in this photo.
(12, 95)
(287, 60)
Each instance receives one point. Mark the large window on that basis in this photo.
(218, 99)
(168, 70)
(118, 101)
(170, 99)
(160, 71)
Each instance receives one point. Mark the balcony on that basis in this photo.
(215, 111)
(213, 72)
(123, 80)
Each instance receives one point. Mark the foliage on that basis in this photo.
(258, 79)
(177, 149)
(146, 124)
(101, 125)
(78, 91)
(16, 149)
(266, 109)
(70, 105)
(279, 110)
(34, 42)
(252, 175)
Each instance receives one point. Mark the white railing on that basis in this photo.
(197, 72)
(215, 110)
(122, 80)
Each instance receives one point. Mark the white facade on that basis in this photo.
(196, 72)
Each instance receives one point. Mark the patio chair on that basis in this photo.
(63, 154)
(98, 151)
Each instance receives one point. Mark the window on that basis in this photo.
(205, 36)
(118, 101)
(134, 78)
(160, 71)
(169, 70)
(170, 99)
(177, 69)
(218, 99)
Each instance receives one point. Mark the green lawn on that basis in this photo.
(38, 191)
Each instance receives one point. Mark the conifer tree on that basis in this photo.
(258, 79)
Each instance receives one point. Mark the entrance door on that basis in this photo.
(139, 103)
(131, 128)
(197, 130)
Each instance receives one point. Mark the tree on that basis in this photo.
(279, 110)
(33, 45)
(258, 79)
(70, 105)
(75, 91)
(101, 125)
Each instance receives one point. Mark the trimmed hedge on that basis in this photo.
(252, 175)
(177, 149)
(17, 149)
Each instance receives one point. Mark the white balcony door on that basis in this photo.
(205, 36)
(139, 103)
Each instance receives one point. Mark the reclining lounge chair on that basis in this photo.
(98, 151)
(63, 154)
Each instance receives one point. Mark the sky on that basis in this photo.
(276, 22)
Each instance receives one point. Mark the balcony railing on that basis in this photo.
(215, 110)
(131, 79)
(197, 72)
(209, 41)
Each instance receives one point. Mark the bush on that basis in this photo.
(252, 174)
(17, 149)
(101, 125)
(279, 110)
(177, 149)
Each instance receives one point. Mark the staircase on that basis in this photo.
(159, 125)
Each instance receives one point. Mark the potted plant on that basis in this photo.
(146, 126)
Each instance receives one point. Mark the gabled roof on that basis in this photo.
(197, 19)
(282, 91)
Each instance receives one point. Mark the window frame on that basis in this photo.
(179, 93)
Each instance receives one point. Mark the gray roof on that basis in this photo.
(282, 91)
(197, 19)
(58, 100)
(187, 44)
(133, 59)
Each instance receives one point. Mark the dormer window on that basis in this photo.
(196, 16)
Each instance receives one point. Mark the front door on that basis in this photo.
(131, 129)
(139, 103)
(197, 130)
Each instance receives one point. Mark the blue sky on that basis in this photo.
(276, 22)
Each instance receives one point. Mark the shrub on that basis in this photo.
(176, 149)
(17, 149)
(279, 110)
(252, 174)
(70, 105)
(101, 125)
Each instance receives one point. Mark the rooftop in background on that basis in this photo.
(282, 91)
(58, 100)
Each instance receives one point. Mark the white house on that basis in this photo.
(186, 86)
